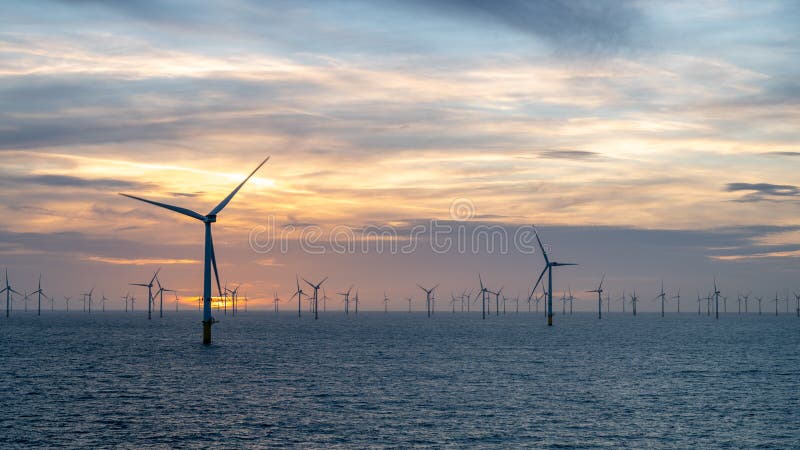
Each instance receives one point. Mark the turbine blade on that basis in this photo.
(539, 280)
(227, 199)
(544, 253)
(214, 263)
(177, 209)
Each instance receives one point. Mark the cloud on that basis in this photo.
(586, 26)
(61, 181)
(140, 261)
(763, 191)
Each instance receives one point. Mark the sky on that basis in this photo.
(646, 140)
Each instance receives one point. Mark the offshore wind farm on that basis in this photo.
(515, 206)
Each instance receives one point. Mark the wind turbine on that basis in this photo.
(88, 295)
(8, 290)
(571, 299)
(67, 299)
(678, 298)
(797, 299)
(623, 301)
(324, 300)
(496, 301)
(346, 299)
(41, 294)
(125, 298)
(428, 293)
(356, 301)
(409, 304)
(634, 301)
(549, 269)
(299, 294)
(160, 293)
(103, 302)
(699, 302)
(386, 303)
(483, 292)
(745, 298)
(716, 300)
(276, 300)
(776, 302)
(453, 301)
(662, 296)
(149, 287)
(209, 258)
(599, 291)
(759, 299)
(316, 295)
(177, 300)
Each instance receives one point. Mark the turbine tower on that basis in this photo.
(716, 300)
(67, 299)
(549, 269)
(385, 303)
(88, 295)
(599, 292)
(209, 259)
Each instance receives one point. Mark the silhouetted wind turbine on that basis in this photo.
(67, 299)
(776, 302)
(316, 295)
(662, 296)
(125, 299)
(549, 269)
(599, 292)
(699, 302)
(160, 293)
(634, 301)
(41, 294)
(746, 298)
(483, 292)
(299, 294)
(428, 293)
(678, 299)
(716, 301)
(759, 299)
(103, 302)
(324, 300)
(797, 305)
(149, 287)
(409, 303)
(8, 290)
(385, 303)
(355, 299)
(88, 295)
(276, 300)
(209, 258)
(346, 299)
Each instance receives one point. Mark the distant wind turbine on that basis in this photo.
(483, 292)
(149, 287)
(678, 300)
(428, 294)
(662, 296)
(385, 303)
(634, 301)
(209, 258)
(88, 296)
(409, 303)
(316, 295)
(67, 299)
(346, 299)
(41, 294)
(599, 292)
(299, 294)
(549, 269)
(716, 300)
(759, 300)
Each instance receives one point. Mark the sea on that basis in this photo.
(399, 380)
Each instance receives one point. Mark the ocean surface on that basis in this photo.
(399, 380)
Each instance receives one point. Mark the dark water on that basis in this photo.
(400, 380)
